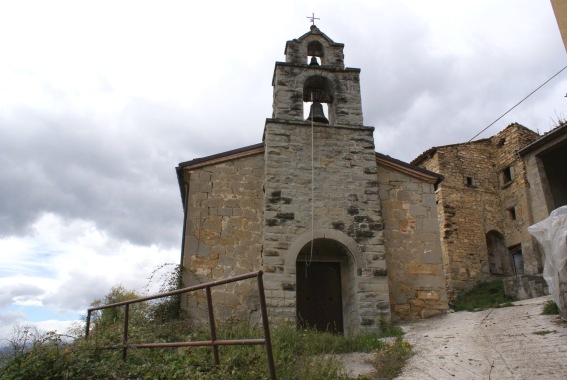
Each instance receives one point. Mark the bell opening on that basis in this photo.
(315, 111)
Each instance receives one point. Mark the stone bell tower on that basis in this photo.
(322, 248)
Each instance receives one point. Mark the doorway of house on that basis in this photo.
(319, 297)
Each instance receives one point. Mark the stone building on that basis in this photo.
(493, 190)
(346, 236)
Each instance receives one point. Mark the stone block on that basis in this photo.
(428, 295)
(420, 269)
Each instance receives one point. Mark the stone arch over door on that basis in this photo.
(299, 242)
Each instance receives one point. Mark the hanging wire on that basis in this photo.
(312, 190)
(517, 104)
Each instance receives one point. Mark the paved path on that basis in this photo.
(508, 343)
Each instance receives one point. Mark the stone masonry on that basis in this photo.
(411, 235)
(483, 209)
(223, 233)
(345, 201)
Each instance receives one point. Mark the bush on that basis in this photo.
(390, 360)
(550, 308)
(485, 295)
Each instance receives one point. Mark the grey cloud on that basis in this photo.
(20, 290)
(10, 318)
(79, 290)
(118, 170)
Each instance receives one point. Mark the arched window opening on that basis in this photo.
(314, 53)
(318, 93)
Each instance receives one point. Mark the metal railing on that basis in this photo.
(214, 342)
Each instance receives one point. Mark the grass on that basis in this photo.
(485, 295)
(298, 354)
(550, 308)
(390, 360)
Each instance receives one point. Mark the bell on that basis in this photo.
(315, 63)
(316, 113)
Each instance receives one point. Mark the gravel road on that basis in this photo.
(507, 343)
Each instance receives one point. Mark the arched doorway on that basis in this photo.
(498, 257)
(324, 292)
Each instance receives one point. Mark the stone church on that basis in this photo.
(347, 237)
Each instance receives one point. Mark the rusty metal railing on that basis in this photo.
(214, 342)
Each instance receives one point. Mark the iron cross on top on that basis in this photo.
(312, 18)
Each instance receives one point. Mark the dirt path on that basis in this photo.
(508, 343)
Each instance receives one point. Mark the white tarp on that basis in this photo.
(551, 233)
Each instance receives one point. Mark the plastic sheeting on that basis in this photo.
(551, 233)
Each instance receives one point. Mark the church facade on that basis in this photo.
(347, 237)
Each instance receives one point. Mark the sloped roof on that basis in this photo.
(316, 31)
(547, 137)
(408, 169)
(222, 157)
(431, 151)
(381, 159)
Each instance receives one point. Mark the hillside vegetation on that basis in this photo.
(298, 353)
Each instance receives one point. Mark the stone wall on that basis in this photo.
(346, 209)
(467, 209)
(514, 194)
(484, 190)
(223, 235)
(413, 252)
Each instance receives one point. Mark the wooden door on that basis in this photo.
(319, 299)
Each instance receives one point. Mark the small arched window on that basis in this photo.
(315, 53)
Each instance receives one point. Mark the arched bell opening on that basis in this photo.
(315, 53)
(318, 93)
(325, 291)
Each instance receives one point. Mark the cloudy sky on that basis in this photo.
(100, 100)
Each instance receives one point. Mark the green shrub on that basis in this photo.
(485, 295)
(550, 308)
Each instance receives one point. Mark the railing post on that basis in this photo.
(125, 338)
(266, 325)
(88, 327)
(212, 325)
(214, 343)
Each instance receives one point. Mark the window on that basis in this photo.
(469, 181)
(512, 213)
(507, 175)
(517, 259)
(314, 53)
